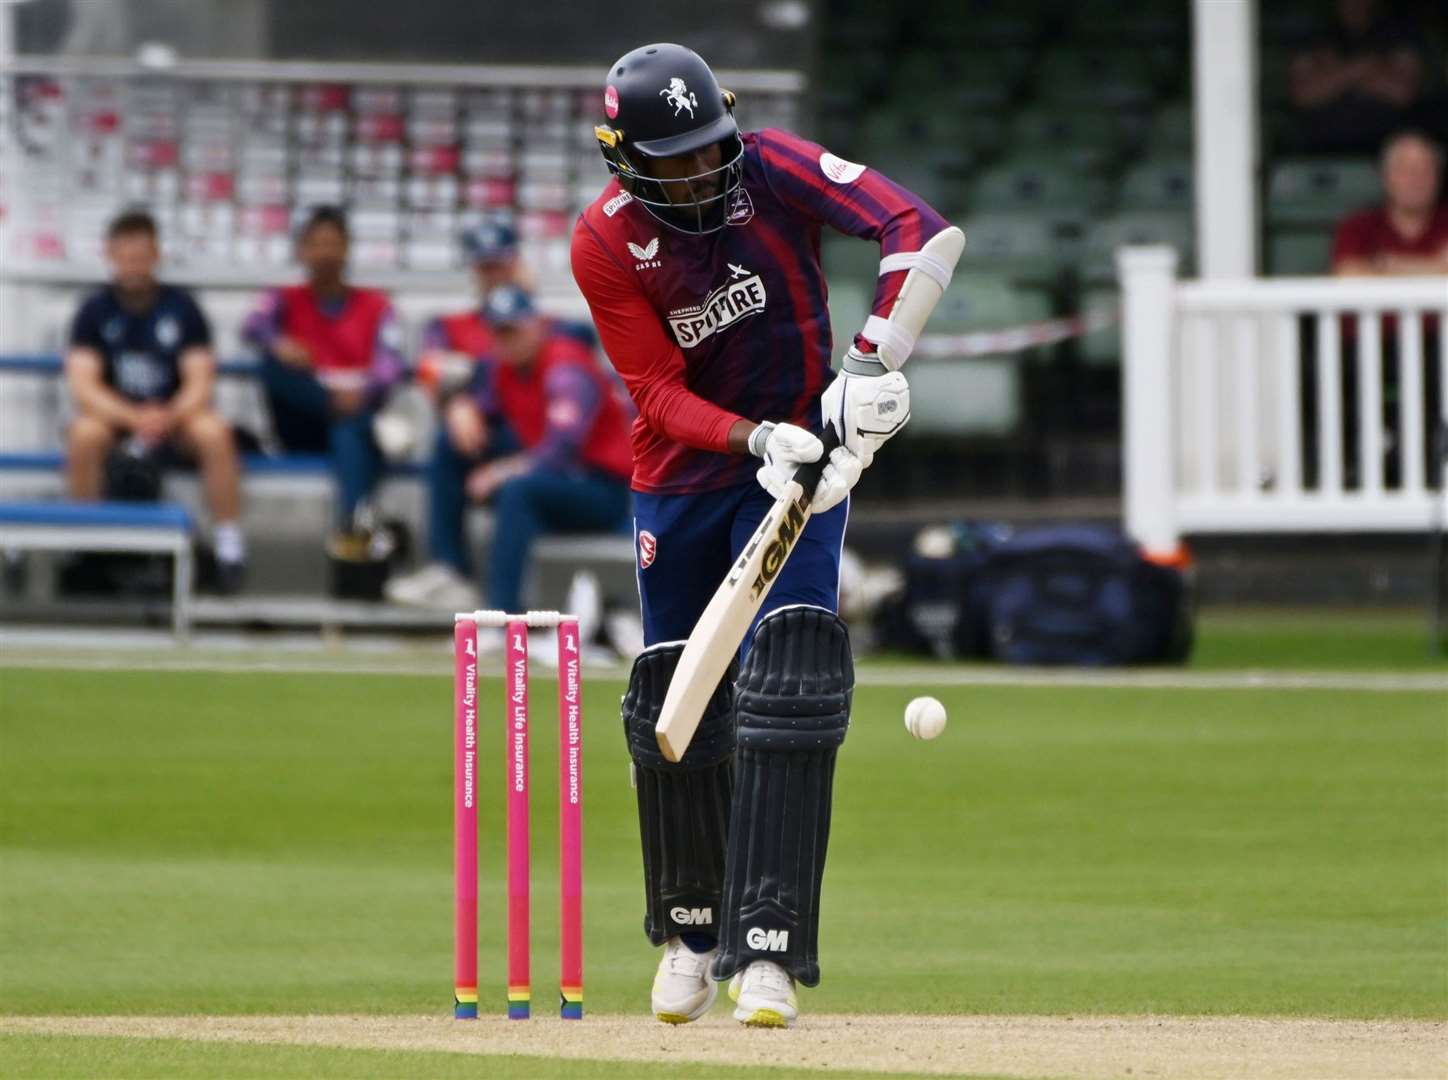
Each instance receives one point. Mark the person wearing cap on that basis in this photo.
(451, 342)
(540, 433)
(331, 353)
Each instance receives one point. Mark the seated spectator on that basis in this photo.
(1357, 82)
(140, 370)
(330, 355)
(450, 343)
(1408, 234)
(543, 434)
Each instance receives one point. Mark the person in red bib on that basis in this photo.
(331, 352)
(542, 433)
(452, 343)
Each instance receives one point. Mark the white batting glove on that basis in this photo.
(785, 447)
(866, 404)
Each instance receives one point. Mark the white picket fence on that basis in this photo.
(1258, 405)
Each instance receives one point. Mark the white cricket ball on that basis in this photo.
(925, 717)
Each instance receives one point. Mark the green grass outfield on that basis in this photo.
(198, 842)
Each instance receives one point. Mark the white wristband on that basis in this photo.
(759, 437)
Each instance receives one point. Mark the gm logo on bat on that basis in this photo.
(781, 543)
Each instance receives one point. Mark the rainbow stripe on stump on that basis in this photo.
(519, 999)
(465, 1003)
(570, 1003)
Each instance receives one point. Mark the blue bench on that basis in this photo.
(54, 364)
(109, 526)
(50, 461)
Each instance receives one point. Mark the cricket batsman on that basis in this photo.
(700, 262)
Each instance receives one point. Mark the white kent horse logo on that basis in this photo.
(677, 95)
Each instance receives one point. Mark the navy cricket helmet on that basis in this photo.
(662, 101)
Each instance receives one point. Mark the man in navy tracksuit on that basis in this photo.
(140, 370)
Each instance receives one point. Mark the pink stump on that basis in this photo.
(519, 947)
(570, 822)
(465, 820)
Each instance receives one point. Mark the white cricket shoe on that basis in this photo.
(683, 990)
(435, 586)
(763, 996)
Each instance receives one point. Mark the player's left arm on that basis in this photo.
(197, 364)
(572, 400)
(869, 401)
(388, 364)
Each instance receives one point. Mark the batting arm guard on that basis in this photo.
(683, 807)
(792, 703)
(930, 270)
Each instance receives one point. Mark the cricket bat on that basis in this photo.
(732, 608)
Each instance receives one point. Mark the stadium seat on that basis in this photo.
(1038, 183)
(1105, 237)
(983, 301)
(1299, 252)
(974, 80)
(1308, 192)
(894, 138)
(1171, 130)
(1086, 139)
(1110, 79)
(1158, 184)
(1110, 22)
(1019, 247)
(976, 23)
(977, 395)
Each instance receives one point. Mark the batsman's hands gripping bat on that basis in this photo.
(785, 447)
(731, 610)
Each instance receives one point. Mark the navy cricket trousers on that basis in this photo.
(685, 545)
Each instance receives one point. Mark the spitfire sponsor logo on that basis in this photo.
(756, 937)
(617, 203)
(648, 548)
(678, 95)
(741, 208)
(741, 296)
(647, 255)
(839, 170)
(699, 916)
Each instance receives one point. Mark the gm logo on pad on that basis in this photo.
(756, 937)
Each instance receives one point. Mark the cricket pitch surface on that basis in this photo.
(1087, 1047)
